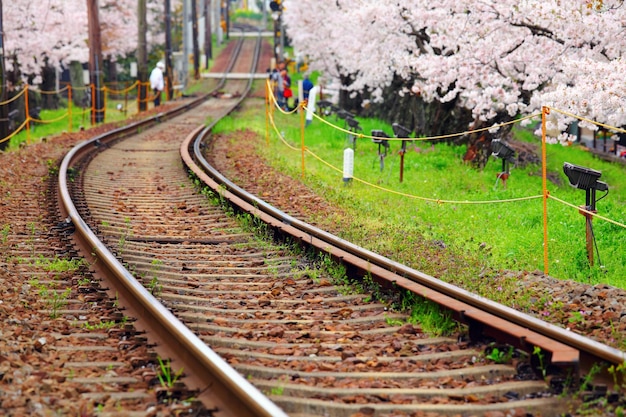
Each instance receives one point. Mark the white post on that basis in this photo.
(300, 92)
(348, 165)
(311, 105)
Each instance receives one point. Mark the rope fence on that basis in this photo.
(272, 105)
(22, 116)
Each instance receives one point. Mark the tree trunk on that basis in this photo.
(79, 96)
(50, 98)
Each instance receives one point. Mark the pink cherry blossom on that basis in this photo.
(496, 58)
(57, 29)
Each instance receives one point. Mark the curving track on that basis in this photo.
(285, 330)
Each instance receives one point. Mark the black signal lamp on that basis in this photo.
(400, 131)
(587, 179)
(380, 137)
(584, 178)
(324, 106)
(354, 127)
(275, 6)
(502, 150)
(354, 124)
(344, 114)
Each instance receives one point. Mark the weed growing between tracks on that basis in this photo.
(166, 376)
(154, 285)
(53, 298)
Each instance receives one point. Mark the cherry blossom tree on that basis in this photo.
(55, 31)
(497, 59)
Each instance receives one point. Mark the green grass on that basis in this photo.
(398, 223)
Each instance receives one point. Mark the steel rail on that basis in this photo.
(483, 316)
(218, 383)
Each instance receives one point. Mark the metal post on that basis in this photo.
(27, 116)
(303, 148)
(142, 57)
(69, 107)
(402, 152)
(217, 16)
(185, 42)
(194, 36)
(590, 206)
(227, 19)
(208, 38)
(95, 58)
(545, 111)
(168, 48)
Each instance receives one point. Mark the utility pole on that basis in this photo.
(142, 56)
(168, 49)
(95, 62)
(227, 18)
(186, 47)
(194, 35)
(4, 109)
(217, 19)
(208, 38)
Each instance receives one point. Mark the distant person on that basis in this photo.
(307, 85)
(286, 87)
(157, 83)
(299, 62)
(274, 76)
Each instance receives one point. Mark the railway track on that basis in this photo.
(235, 325)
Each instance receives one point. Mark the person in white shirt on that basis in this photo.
(156, 82)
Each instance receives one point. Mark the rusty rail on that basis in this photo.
(217, 382)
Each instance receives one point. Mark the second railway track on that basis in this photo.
(267, 311)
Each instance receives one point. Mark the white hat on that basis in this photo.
(160, 65)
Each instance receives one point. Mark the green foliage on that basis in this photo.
(104, 325)
(59, 265)
(126, 232)
(246, 15)
(393, 321)
(6, 229)
(500, 355)
(538, 353)
(53, 169)
(166, 376)
(429, 316)
(618, 373)
(154, 285)
(53, 299)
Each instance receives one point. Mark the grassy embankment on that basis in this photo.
(459, 241)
